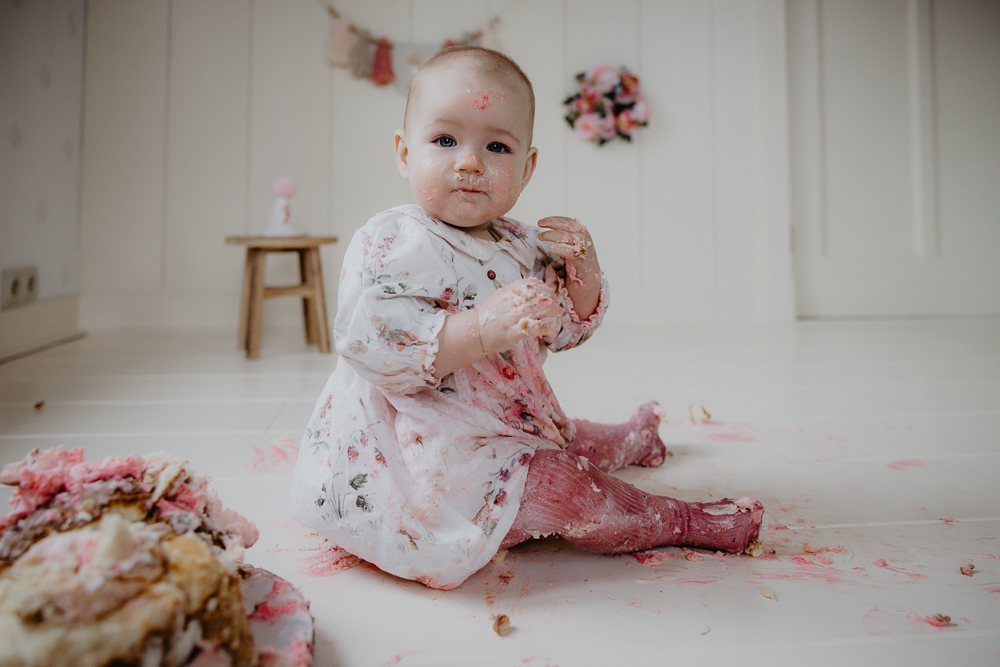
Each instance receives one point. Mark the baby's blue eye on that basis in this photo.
(497, 147)
(445, 142)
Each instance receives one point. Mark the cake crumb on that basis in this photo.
(501, 625)
(766, 592)
(940, 621)
(967, 569)
(698, 414)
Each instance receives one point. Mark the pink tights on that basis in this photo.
(575, 498)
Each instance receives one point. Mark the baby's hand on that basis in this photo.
(521, 310)
(569, 240)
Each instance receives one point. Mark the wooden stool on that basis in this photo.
(255, 291)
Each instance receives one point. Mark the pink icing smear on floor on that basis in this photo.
(650, 557)
(332, 561)
(280, 454)
(885, 566)
(904, 464)
(731, 437)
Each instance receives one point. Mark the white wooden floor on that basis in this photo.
(875, 443)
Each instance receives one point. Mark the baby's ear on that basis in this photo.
(529, 167)
(401, 153)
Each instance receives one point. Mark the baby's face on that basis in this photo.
(465, 150)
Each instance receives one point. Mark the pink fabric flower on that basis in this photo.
(284, 187)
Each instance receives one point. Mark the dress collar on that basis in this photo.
(515, 237)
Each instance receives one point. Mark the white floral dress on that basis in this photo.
(423, 477)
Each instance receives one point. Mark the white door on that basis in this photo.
(895, 156)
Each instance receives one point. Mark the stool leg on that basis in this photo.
(244, 343)
(256, 310)
(319, 301)
(307, 306)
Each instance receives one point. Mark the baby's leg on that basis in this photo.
(614, 446)
(566, 496)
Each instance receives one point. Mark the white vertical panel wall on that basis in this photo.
(41, 92)
(195, 107)
(895, 127)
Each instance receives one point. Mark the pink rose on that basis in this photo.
(588, 126)
(607, 127)
(587, 104)
(629, 91)
(640, 112)
(603, 78)
(625, 122)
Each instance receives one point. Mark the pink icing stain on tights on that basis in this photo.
(568, 496)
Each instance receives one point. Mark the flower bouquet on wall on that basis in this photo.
(609, 103)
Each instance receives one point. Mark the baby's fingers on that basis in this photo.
(565, 250)
(571, 225)
(532, 327)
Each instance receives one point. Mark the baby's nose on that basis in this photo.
(469, 161)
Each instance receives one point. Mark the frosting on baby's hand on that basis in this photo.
(524, 309)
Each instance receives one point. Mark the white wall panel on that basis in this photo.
(895, 136)
(679, 216)
(41, 76)
(41, 79)
(207, 150)
(124, 159)
(967, 50)
(735, 159)
(867, 132)
(223, 97)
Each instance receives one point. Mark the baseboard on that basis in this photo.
(38, 325)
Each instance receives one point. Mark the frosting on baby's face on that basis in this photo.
(466, 147)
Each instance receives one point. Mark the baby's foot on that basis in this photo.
(726, 525)
(644, 439)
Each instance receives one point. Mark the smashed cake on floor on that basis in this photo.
(126, 561)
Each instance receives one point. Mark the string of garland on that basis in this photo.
(383, 61)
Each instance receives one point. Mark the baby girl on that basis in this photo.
(437, 440)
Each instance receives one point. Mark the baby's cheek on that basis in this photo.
(424, 180)
(426, 187)
(503, 184)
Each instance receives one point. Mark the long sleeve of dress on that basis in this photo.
(390, 308)
(574, 331)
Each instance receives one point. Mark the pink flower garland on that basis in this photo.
(610, 103)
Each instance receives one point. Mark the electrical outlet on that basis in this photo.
(20, 286)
